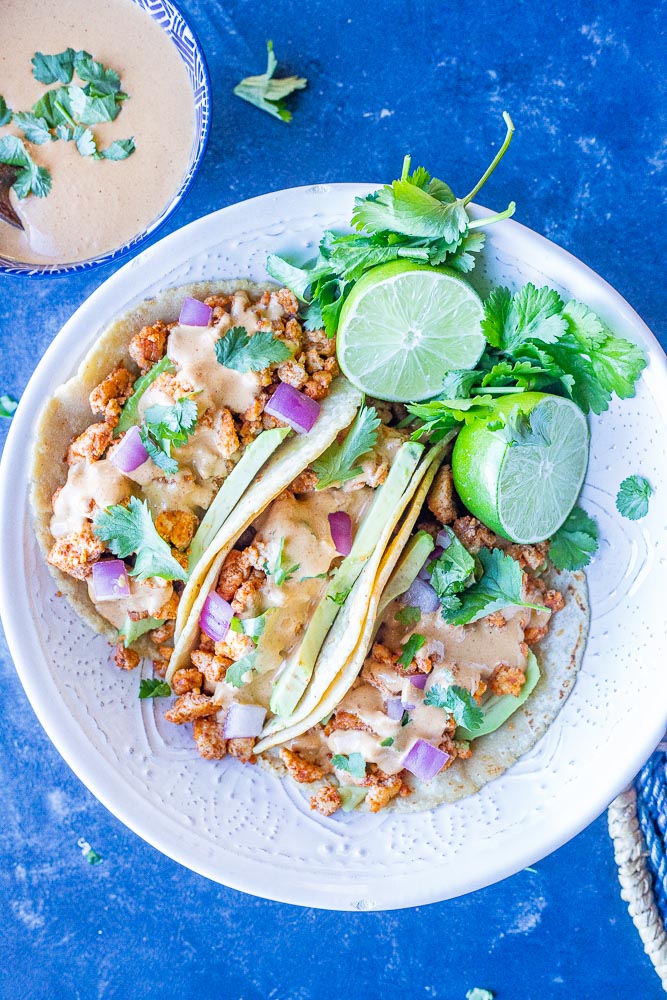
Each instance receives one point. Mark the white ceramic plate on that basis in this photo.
(244, 828)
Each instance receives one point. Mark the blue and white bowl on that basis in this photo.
(173, 23)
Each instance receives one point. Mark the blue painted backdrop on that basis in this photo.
(585, 86)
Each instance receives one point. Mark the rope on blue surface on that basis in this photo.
(652, 811)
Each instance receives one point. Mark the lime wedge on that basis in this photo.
(524, 492)
(404, 326)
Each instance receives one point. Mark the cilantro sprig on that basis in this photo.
(267, 93)
(410, 649)
(165, 427)
(153, 687)
(131, 630)
(238, 673)
(633, 496)
(280, 572)
(408, 616)
(354, 764)
(575, 541)
(338, 463)
(498, 588)
(130, 530)
(459, 702)
(417, 217)
(243, 353)
(451, 572)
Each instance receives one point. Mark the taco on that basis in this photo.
(450, 683)
(195, 390)
(249, 653)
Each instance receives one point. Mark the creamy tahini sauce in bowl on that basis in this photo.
(96, 206)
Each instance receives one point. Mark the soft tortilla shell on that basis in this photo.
(67, 414)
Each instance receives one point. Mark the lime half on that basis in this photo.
(524, 492)
(404, 326)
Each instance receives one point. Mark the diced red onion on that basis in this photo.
(130, 453)
(110, 580)
(395, 709)
(421, 595)
(195, 313)
(443, 539)
(294, 407)
(419, 681)
(406, 707)
(243, 721)
(340, 525)
(425, 572)
(424, 760)
(215, 617)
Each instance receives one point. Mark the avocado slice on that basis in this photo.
(293, 680)
(498, 708)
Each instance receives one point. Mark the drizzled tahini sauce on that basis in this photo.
(97, 205)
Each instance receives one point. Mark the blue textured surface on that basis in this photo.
(585, 85)
(652, 811)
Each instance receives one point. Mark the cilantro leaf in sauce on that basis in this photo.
(35, 129)
(389, 742)
(128, 530)
(451, 571)
(31, 179)
(354, 764)
(130, 630)
(243, 353)
(5, 112)
(267, 93)
(279, 571)
(338, 463)
(153, 687)
(164, 426)
(410, 648)
(253, 627)
(237, 672)
(120, 149)
(459, 702)
(7, 405)
(499, 587)
(408, 616)
(130, 413)
(57, 68)
(633, 496)
(575, 541)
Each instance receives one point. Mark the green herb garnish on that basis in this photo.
(498, 588)
(128, 530)
(237, 673)
(30, 179)
(459, 702)
(408, 616)
(354, 764)
(7, 405)
(388, 742)
(633, 496)
(130, 413)
(451, 572)
(281, 573)
(267, 93)
(153, 687)
(130, 630)
(410, 648)
(167, 426)
(338, 463)
(243, 353)
(575, 541)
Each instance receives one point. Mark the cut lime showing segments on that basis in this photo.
(404, 326)
(524, 492)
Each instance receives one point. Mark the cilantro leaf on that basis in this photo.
(102, 81)
(408, 616)
(130, 630)
(242, 353)
(410, 648)
(633, 496)
(354, 764)
(575, 541)
(267, 93)
(458, 383)
(13, 151)
(281, 573)
(84, 141)
(165, 426)
(440, 416)
(31, 178)
(477, 993)
(5, 112)
(237, 672)
(527, 430)
(153, 687)
(531, 314)
(498, 588)
(7, 405)
(388, 742)
(254, 627)
(128, 530)
(459, 702)
(130, 413)
(57, 68)
(120, 149)
(338, 463)
(450, 572)
(35, 129)
(404, 207)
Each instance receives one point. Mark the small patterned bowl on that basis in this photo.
(172, 22)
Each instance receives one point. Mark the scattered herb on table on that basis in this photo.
(268, 93)
(153, 687)
(7, 405)
(633, 496)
